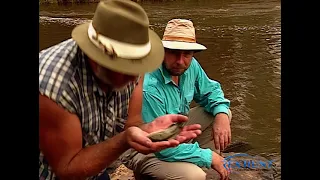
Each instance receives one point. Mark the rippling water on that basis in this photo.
(244, 54)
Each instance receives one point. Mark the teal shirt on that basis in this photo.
(162, 96)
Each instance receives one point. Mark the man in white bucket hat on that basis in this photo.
(170, 90)
(86, 85)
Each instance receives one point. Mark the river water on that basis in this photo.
(244, 54)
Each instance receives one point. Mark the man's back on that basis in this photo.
(65, 78)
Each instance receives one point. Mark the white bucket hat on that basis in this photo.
(180, 34)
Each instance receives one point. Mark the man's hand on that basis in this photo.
(221, 132)
(217, 164)
(187, 132)
(137, 138)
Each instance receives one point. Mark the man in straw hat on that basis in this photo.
(90, 94)
(170, 90)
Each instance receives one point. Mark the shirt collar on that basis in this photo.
(167, 77)
(165, 74)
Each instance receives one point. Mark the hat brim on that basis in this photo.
(127, 66)
(183, 45)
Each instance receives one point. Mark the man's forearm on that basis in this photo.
(138, 122)
(91, 160)
(134, 121)
(222, 115)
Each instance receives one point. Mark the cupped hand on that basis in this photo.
(187, 133)
(139, 141)
(137, 137)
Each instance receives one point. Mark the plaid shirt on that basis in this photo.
(65, 78)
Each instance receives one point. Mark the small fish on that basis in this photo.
(169, 133)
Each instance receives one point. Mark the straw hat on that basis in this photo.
(180, 34)
(119, 38)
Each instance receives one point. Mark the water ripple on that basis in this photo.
(63, 21)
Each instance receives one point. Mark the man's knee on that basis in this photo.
(181, 171)
(194, 173)
(161, 170)
(200, 116)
